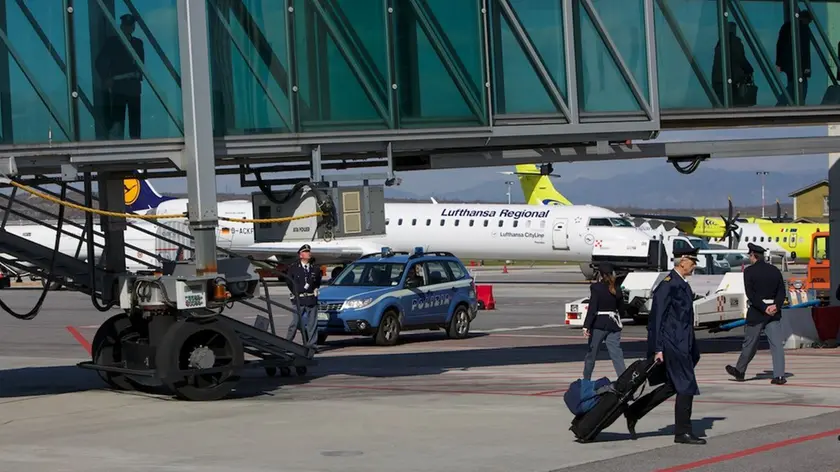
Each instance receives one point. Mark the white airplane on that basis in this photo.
(469, 231)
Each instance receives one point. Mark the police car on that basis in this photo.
(385, 293)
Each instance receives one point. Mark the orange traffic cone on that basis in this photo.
(504, 269)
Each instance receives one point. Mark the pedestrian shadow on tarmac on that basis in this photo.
(439, 361)
(53, 380)
(764, 375)
(700, 427)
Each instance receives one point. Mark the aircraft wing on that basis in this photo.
(332, 254)
(674, 218)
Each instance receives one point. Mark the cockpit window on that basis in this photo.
(599, 222)
(621, 222)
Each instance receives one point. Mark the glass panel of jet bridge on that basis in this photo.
(109, 69)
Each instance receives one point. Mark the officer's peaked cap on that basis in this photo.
(755, 248)
(304, 248)
(690, 253)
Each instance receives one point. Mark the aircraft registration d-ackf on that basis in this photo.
(794, 239)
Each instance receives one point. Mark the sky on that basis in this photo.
(433, 181)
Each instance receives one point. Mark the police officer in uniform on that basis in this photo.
(672, 343)
(765, 287)
(305, 279)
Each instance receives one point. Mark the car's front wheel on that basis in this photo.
(459, 325)
(389, 330)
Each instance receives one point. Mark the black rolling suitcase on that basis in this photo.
(613, 401)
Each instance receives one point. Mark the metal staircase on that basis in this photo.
(39, 261)
(43, 262)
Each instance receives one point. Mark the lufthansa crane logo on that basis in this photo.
(131, 189)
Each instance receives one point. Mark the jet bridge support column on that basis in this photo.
(199, 160)
(112, 198)
(833, 217)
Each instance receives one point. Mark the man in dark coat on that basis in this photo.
(740, 70)
(305, 279)
(671, 342)
(784, 54)
(766, 292)
(123, 80)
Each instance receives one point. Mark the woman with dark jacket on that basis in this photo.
(603, 321)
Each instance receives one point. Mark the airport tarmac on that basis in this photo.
(492, 402)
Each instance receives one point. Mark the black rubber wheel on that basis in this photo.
(459, 325)
(322, 338)
(285, 372)
(301, 370)
(192, 344)
(106, 348)
(271, 371)
(388, 332)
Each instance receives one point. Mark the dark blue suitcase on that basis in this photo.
(613, 401)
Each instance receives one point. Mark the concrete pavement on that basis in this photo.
(492, 402)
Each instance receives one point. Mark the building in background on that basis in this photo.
(810, 204)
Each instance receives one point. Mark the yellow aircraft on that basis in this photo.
(539, 190)
(734, 231)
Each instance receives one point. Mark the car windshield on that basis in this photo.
(621, 222)
(370, 274)
(699, 243)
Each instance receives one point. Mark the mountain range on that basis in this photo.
(653, 189)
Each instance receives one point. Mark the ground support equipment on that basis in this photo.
(173, 334)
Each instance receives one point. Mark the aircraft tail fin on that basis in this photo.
(538, 189)
(141, 196)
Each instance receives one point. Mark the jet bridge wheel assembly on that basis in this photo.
(173, 334)
(106, 349)
(196, 358)
(207, 345)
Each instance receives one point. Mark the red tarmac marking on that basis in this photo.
(749, 452)
(79, 338)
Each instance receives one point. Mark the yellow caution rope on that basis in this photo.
(115, 214)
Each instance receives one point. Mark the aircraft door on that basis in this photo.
(792, 239)
(560, 234)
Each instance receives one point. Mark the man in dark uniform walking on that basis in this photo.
(765, 288)
(305, 280)
(122, 78)
(672, 343)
